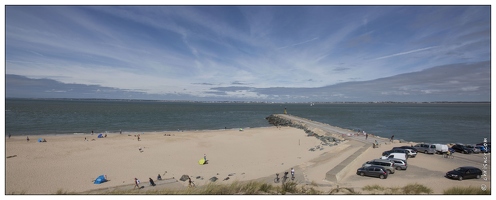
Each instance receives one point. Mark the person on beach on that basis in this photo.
(136, 183)
(366, 135)
(138, 138)
(120, 131)
(151, 182)
(159, 177)
(189, 182)
(9, 135)
(205, 157)
(392, 138)
(27, 138)
(292, 173)
(91, 132)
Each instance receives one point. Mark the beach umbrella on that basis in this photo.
(201, 161)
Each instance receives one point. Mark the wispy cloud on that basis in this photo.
(182, 49)
(407, 52)
(292, 45)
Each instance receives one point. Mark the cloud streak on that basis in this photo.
(407, 52)
(292, 45)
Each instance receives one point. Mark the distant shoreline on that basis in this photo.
(262, 102)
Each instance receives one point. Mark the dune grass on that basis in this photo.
(249, 188)
(466, 190)
(408, 189)
(260, 188)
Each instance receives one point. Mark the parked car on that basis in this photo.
(387, 164)
(375, 171)
(407, 147)
(401, 156)
(441, 148)
(399, 164)
(408, 152)
(461, 148)
(461, 173)
(411, 153)
(426, 148)
(473, 148)
(484, 149)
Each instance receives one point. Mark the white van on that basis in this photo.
(441, 148)
(401, 156)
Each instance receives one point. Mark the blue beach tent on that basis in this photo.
(40, 139)
(100, 136)
(100, 179)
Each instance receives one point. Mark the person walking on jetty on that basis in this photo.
(292, 173)
(366, 135)
(136, 183)
(392, 138)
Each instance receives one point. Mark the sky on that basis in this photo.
(253, 53)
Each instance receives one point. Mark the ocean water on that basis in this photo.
(434, 123)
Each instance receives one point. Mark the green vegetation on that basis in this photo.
(416, 189)
(254, 187)
(466, 190)
(408, 189)
(373, 187)
(251, 187)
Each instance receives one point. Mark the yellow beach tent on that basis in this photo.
(201, 161)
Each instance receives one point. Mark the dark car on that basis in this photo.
(407, 147)
(461, 173)
(462, 149)
(374, 171)
(395, 150)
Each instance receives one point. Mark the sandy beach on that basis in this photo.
(71, 164)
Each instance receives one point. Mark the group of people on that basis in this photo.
(150, 181)
(367, 136)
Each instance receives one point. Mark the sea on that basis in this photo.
(468, 123)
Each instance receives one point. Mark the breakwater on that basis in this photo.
(318, 130)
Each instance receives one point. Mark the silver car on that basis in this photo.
(474, 148)
(399, 164)
(387, 164)
(426, 148)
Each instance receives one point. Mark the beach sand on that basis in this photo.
(69, 163)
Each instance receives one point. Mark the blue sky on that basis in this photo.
(249, 52)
